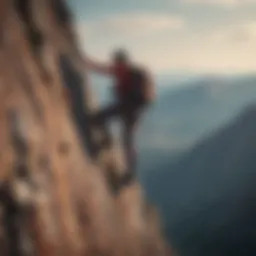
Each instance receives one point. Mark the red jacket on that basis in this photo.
(122, 82)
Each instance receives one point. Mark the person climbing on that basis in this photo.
(134, 91)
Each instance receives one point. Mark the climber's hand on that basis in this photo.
(97, 67)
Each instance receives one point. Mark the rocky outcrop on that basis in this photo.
(55, 195)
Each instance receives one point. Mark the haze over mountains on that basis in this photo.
(182, 116)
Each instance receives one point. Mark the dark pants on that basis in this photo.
(129, 113)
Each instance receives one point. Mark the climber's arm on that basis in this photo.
(98, 67)
(151, 92)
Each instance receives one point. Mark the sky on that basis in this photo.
(172, 36)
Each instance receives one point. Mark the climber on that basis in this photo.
(134, 91)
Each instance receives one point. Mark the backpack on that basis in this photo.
(142, 86)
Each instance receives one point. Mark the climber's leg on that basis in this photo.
(130, 122)
(101, 119)
(102, 116)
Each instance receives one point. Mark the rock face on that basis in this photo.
(55, 195)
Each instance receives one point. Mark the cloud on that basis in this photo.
(244, 32)
(164, 43)
(224, 49)
(226, 3)
(134, 24)
(248, 29)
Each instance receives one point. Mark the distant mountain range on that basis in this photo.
(182, 116)
(208, 196)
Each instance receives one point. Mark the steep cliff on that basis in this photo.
(55, 192)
